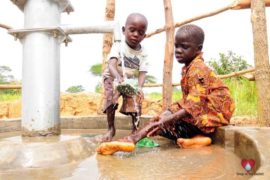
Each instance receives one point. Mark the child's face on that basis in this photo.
(134, 32)
(186, 48)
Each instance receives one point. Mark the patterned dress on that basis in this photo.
(205, 97)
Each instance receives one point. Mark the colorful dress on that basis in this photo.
(205, 97)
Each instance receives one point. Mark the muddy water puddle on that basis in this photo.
(164, 162)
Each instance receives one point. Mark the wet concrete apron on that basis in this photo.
(72, 156)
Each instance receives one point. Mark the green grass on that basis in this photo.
(177, 95)
(244, 95)
(10, 95)
(242, 91)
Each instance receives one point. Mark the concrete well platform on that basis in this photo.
(75, 153)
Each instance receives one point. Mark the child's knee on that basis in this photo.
(112, 107)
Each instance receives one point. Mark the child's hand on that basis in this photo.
(140, 95)
(155, 126)
(158, 123)
(119, 79)
(160, 116)
(155, 119)
(153, 132)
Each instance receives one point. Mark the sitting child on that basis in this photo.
(206, 102)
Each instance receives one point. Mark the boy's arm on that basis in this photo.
(113, 70)
(168, 116)
(141, 79)
(160, 122)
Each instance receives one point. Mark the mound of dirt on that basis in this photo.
(87, 104)
(77, 104)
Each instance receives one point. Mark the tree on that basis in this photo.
(75, 89)
(96, 69)
(150, 79)
(228, 63)
(5, 77)
(98, 88)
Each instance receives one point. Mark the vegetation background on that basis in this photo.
(243, 90)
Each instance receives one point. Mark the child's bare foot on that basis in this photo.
(108, 148)
(195, 142)
(108, 136)
(128, 139)
(134, 131)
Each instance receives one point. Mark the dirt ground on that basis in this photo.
(77, 104)
(87, 104)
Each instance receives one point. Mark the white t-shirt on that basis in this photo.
(134, 61)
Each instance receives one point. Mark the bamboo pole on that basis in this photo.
(169, 51)
(262, 73)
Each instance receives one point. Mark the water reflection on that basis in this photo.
(164, 162)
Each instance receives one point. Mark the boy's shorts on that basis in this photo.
(130, 104)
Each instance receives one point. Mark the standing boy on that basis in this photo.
(135, 67)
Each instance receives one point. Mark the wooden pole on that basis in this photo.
(5, 26)
(205, 15)
(233, 74)
(168, 59)
(262, 73)
(107, 43)
(243, 4)
(108, 37)
(235, 5)
(10, 86)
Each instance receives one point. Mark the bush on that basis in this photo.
(75, 89)
(228, 63)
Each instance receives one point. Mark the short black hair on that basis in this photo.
(141, 16)
(194, 31)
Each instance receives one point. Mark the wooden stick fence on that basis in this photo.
(5, 26)
(8, 86)
(234, 74)
(208, 14)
